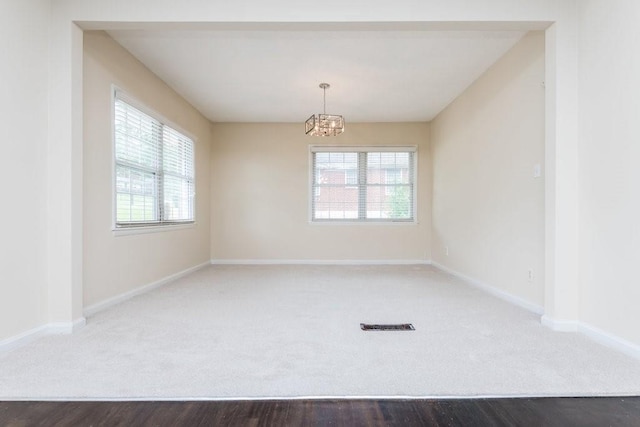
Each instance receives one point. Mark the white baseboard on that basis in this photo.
(23, 338)
(66, 327)
(609, 340)
(95, 308)
(320, 262)
(534, 308)
(70, 327)
(559, 325)
(55, 328)
(595, 334)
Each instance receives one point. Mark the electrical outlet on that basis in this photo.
(537, 170)
(531, 276)
(446, 250)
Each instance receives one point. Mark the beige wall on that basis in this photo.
(117, 264)
(488, 209)
(24, 35)
(609, 167)
(260, 196)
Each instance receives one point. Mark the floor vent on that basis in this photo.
(398, 327)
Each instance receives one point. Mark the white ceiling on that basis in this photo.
(272, 74)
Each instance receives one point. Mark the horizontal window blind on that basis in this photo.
(177, 162)
(363, 185)
(154, 170)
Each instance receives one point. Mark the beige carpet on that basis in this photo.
(291, 331)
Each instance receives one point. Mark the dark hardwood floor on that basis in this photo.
(602, 411)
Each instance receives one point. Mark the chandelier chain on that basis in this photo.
(324, 87)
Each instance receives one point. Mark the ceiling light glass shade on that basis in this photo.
(324, 125)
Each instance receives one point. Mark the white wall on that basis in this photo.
(114, 265)
(610, 166)
(24, 27)
(488, 209)
(260, 196)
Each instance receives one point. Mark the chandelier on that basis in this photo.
(324, 124)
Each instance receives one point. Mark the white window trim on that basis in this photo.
(117, 92)
(359, 148)
(130, 231)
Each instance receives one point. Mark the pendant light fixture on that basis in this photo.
(324, 124)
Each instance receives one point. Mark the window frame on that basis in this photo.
(147, 226)
(362, 151)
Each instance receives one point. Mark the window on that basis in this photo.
(154, 170)
(363, 184)
(392, 177)
(351, 177)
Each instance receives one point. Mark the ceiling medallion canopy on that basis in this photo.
(324, 124)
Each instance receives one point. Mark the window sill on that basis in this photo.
(129, 231)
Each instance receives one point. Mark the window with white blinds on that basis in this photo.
(363, 184)
(154, 170)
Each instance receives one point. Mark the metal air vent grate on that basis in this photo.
(396, 327)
